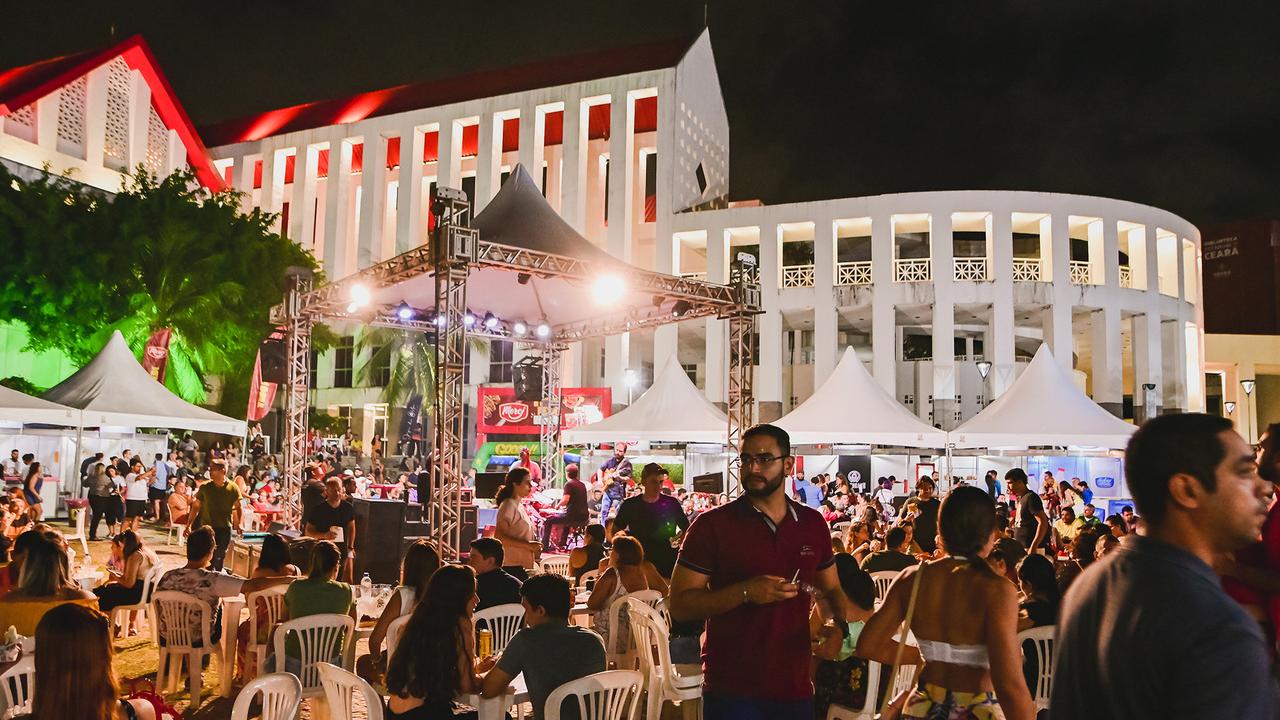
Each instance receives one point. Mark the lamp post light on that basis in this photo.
(984, 369)
(1230, 407)
(631, 379)
(1248, 385)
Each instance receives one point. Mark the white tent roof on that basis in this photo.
(851, 407)
(673, 409)
(113, 389)
(19, 407)
(1044, 407)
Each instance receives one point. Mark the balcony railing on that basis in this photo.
(1028, 270)
(971, 269)
(918, 270)
(1081, 273)
(797, 276)
(853, 273)
(694, 276)
(1126, 277)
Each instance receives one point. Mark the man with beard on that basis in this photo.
(748, 567)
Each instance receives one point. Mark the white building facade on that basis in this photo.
(923, 285)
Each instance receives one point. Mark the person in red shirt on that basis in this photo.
(750, 568)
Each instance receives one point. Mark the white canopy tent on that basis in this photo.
(852, 408)
(20, 408)
(114, 391)
(673, 410)
(1043, 408)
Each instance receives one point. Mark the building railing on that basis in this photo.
(971, 269)
(1126, 277)
(918, 270)
(797, 276)
(1028, 270)
(853, 273)
(1081, 273)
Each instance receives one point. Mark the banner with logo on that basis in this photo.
(501, 413)
(156, 354)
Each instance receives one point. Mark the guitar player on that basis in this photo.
(616, 473)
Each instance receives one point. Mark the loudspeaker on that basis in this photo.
(709, 483)
(527, 379)
(487, 484)
(470, 527)
(379, 527)
(275, 361)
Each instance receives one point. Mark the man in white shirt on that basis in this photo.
(13, 466)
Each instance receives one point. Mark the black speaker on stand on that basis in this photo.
(526, 377)
(379, 527)
(275, 361)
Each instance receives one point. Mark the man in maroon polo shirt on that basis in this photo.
(742, 567)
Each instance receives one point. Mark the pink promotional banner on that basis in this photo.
(261, 394)
(155, 356)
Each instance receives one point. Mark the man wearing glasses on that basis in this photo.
(750, 568)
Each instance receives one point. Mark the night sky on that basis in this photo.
(1168, 103)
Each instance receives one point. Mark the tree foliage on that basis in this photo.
(161, 253)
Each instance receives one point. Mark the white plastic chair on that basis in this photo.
(662, 682)
(883, 580)
(1043, 639)
(273, 599)
(340, 689)
(82, 532)
(394, 631)
(121, 614)
(619, 650)
(177, 532)
(317, 635)
(558, 564)
(869, 708)
(587, 576)
(503, 621)
(608, 695)
(181, 628)
(281, 695)
(18, 684)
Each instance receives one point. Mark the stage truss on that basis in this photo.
(452, 253)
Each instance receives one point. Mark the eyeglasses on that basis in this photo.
(761, 460)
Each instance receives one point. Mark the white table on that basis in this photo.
(495, 707)
(231, 607)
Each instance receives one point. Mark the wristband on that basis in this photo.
(744, 593)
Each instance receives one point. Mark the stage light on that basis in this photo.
(544, 330)
(468, 319)
(680, 308)
(608, 289)
(359, 295)
(440, 321)
(523, 278)
(404, 312)
(490, 322)
(519, 328)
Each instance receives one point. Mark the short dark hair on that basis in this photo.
(1126, 508)
(778, 435)
(596, 532)
(926, 480)
(490, 548)
(200, 543)
(895, 537)
(571, 471)
(1017, 474)
(1068, 508)
(549, 591)
(1169, 445)
(652, 470)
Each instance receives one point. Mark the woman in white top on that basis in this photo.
(135, 560)
(626, 574)
(421, 561)
(515, 532)
(136, 485)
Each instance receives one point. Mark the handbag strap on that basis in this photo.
(902, 639)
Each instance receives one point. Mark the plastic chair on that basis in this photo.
(181, 629)
(176, 529)
(590, 575)
(18, 684)
(82, 531)
(340, 688)
(317, 636)
(883, 580)
(281, 695)
(273, 599)
(608, 695)
(121, 614)
(558, 564)
(394, 631)
(1043, 639)
(870, 707)
(503, 621)
(662, 682)
(619, 651)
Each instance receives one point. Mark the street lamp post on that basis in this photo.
(630, 378)
(1248, 385)
(984, 369)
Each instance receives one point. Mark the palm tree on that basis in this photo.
(410, 357)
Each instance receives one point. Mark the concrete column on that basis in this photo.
(768, 385)
(532, 137)
(998, 347)
(272, 193)
(176, 155)
(1110, 265)
(944, 320)
(1174, 362)
(1108, 367)
(302, 221)
(573, 184)
(715, 372)
(336, 207)
(243, 179)
(95, 114)
(1057, 316)
(1147, 365)
(373, 200)
(665, 337)
(826, 352)
(409, 225)
(449, 155)
(884, 336)
(489, 157)
(621, 174)
(139, 121)
(47, 122)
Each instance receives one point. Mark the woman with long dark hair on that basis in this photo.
(434, 661)
(421, 561)
(74, 677)
(135, 560)
(513, 528)
(965, 620)
(1040, 597)
(31, 486)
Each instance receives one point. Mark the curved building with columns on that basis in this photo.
(633, 150)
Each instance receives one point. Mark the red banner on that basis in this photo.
(502, 414)
(261, 394)
(156, 354)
